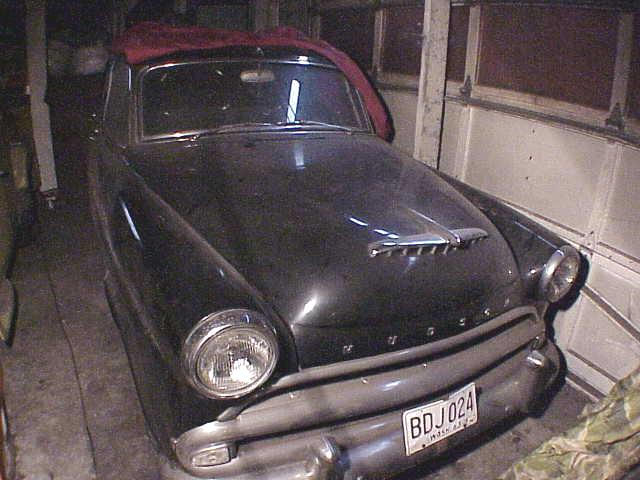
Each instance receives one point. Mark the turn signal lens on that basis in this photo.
(210, 456)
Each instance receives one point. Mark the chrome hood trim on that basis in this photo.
(417, 244)
(435, 235)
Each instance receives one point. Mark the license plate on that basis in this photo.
(423, 426)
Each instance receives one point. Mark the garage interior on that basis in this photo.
(536, 103)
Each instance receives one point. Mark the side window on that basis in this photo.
(116, 112)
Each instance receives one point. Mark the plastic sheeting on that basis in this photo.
(150, 40)
(605, 445)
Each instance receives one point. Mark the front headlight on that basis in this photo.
(230, 353)
(559, 274)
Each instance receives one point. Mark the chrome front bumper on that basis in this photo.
(352, 428)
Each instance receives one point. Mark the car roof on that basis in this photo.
(283, 54)
(148, 41)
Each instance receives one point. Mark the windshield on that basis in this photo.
(246, 95)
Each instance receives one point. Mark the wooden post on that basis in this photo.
(619, 89)
(37, 74)
(432, 81)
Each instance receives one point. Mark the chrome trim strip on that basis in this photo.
(414, 354)
(227, 59)
(132, 226)
(406, 243)
(458, 238)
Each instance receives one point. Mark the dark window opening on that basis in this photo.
(457, 43)
(633, 103)
(294, 13)
(228, 15)
(351, 30)
(402, 47)
(564, 53)
(116, 113)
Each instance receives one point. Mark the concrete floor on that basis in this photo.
(71, 400)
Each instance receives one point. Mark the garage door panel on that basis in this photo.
(621, 292)
(551, 171)
(403, 107)
(603, 344)
(622, 220)
(450, 135)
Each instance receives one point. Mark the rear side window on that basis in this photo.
(116, 112)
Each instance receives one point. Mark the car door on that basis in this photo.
(111, 181)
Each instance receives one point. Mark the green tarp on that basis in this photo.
(605, 445)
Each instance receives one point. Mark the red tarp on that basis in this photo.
(151, 40)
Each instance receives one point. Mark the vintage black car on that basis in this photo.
(297, 298)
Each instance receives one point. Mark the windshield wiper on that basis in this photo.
(242, 127)
(314, 123)
(248, 126)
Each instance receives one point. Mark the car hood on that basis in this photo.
(294, 213)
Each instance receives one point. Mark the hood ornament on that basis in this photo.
(429, 242)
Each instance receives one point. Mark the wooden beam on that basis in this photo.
(37, 74)
(619, 89)
(432, 81)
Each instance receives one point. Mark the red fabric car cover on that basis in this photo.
(151, 40)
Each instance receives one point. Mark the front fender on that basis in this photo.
(531, 243)
(194, 278)
(164, 278)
